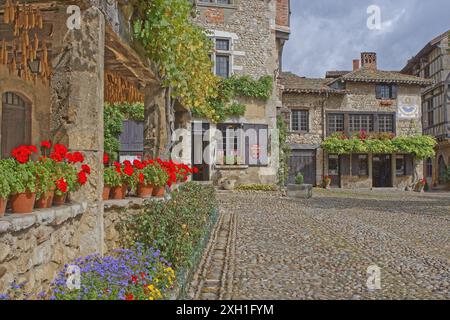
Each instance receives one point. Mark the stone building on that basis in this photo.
(433, 62)
(249, 37)
(84, 56)
(365, 99)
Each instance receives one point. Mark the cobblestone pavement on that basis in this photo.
(266, 246)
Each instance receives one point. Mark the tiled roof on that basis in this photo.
(294, 83)
(336, 73)
(370, 75)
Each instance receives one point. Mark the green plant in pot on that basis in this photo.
(45, 183)
(5, 188)
(112, 178)
(299, 178)
(23, 186)
(145, 175)
(66, 181)
(159, 180)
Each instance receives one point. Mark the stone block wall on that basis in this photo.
(251, 26)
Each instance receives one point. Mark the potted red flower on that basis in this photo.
(112, 177)
(326, 182)
(161, 179)
(145, 174)
(45, 183)
(421, 185)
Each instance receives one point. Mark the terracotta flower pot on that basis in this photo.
(144, 191)
(158, 191)
(3, 206)
(45, 201)
(106, 192)
(23, 202)
(119, 193)
(59, 200)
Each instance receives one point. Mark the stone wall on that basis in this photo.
(251, 26)
(34, 247)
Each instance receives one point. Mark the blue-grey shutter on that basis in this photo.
(378, 91)
(132, 137)
(345, 165)
(394, 91)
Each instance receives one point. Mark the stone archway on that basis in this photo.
(15, 123)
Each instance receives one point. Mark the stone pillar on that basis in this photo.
(77, 116)
(155, 135)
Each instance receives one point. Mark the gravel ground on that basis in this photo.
(270, 247)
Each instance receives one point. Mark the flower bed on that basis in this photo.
(44, 182)
(179, 227)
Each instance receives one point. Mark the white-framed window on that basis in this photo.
(223, 57)
(300, 120)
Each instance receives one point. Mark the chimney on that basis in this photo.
(369, 60)
(355, 64)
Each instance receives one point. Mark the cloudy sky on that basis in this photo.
(329, 34)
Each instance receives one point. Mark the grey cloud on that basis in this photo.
(329, 34)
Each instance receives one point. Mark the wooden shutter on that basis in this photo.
(394, 91)
(378, 91)
(132, 137)
(345, 165)
(409, 166)
(355, 165)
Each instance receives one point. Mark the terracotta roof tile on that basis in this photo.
(294, 83)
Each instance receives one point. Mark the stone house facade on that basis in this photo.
(364, 99)
(433, 62)
(249, 37)
(85, 64)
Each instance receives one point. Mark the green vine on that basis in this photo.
(180, 49)
(421, 147)
(114, 115)
(224, 105)
(285, 151)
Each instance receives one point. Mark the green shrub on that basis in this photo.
(176, 226)
(256, 187)
(299, 178)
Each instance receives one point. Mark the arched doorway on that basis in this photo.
(16, 123)
(442, 170)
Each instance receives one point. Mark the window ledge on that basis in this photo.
(232, 167)
(51, 216)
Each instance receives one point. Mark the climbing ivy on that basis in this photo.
(285, 151)
(180, 49)
(114, 115)
(224, 105)
(421, 147)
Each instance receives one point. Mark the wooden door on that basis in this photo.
(382, 171)
(303, 161)
(16, 123)
(132, 138)
(198, 146)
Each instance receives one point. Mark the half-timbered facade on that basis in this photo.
(433, 62)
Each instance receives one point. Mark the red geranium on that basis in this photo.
(75, 157)
(61, 184)
(105, 158)
(141, 177)
(195, 170)
(86, 168)
(22, 154)
(138, 164)
(59, 152)
(128, 170)
(46, 144)
(82, 178)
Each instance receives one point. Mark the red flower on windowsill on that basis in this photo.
(61, 184)
(46, 144)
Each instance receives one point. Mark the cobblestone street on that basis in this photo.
(268, 247)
